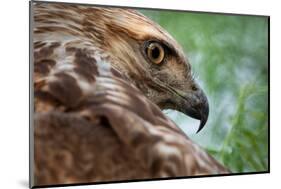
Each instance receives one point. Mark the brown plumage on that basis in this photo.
(100, 76)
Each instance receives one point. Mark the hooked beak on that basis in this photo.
(195, 104)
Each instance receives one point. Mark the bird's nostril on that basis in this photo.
(194, 88)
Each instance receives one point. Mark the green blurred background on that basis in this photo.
(229, 58)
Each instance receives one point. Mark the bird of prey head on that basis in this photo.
(144, 53)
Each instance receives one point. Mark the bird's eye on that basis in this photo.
(155, 52)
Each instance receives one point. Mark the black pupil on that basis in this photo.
(155, 52)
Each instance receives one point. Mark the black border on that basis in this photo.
(268, 93)
(134, 180)
(153, 179)
(146, 8)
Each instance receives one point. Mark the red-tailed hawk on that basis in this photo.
(100, 76)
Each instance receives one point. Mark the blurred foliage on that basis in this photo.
(229, 56)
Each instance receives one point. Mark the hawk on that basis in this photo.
(101, 77)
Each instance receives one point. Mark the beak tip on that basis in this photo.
(201, 126)
(204, 117)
